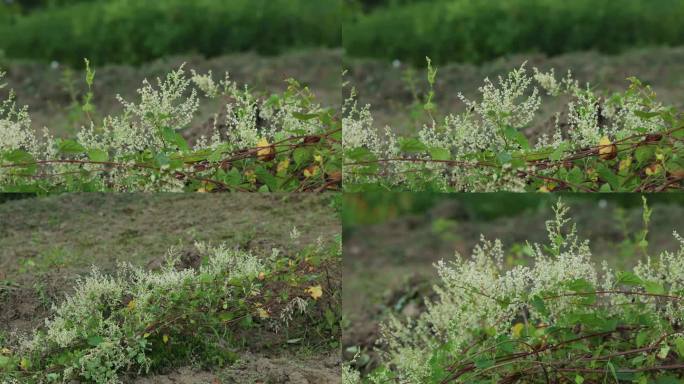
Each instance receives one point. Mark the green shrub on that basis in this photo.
(139, 321)
(282, 142)
(131, 31)
(477, 31)
(625, 142)
(563, 319)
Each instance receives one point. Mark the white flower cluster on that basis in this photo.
(479, 293)
(491, 125)
(15, 132)
(163, 109)
(140, 125)
(85, 313)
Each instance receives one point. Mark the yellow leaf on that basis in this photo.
(146, 335)
(250, 176)
(131, 305)
(283, 165)
(310, 171)
(544, 189)
(5, 351)
(517, 329)
(625, 164)
(263, 314)
(653, 169)
(264, 149)
(25, 364)
(315, 291)
(261, 276)
(318, 158)
(165, 338)
(607, 150)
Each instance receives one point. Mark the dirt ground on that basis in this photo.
(382, 84)
(47, 92)
(388, 267)
(255, 368)
(46, 243)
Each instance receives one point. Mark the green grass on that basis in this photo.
(478, 31)
(128, 31)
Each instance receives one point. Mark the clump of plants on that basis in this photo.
(622, 142)
(139, 321)
(480, 31)
(560, 319)
(68, 30)
(282, 142)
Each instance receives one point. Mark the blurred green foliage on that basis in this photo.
(477, 31)
(134, 31)
(377, 207)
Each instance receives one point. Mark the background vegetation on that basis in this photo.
(129, 31)
(380, 207)
(478, 31)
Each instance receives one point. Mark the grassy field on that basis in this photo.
(47, 243)
(388, 266)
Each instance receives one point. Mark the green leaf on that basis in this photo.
(6, 363)
(654, 287)
(679, 346)
(161, 160)
(172, 137)
(246, 322)
(94, 341)
(98, 155)
(641, 338)
(411, 145)
(440, 154)
(304, 116)
(667, 379)
(579, 379)
(608, 175)
(517, 137)
(575, 176)
(586, 288)
(580, 285)
(628, 278)
(646, 115)
(611, 367)
(483, 363)
(361, 155)
(70, 147)
(266, 178)
(538, 304)
(504, 157)
(301, 155)
(559, 152)
(233, 177)
(19, 156)
(644, 153)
